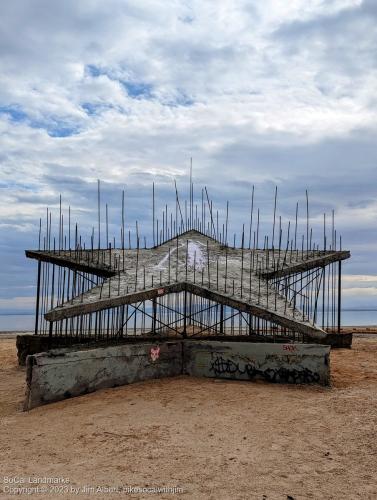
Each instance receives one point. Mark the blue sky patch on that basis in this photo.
(15, 113)
(181, 100)
(62, 131)
(138, 89)
(135, 89)
(92, 109)
(94, 71)
(54, 128)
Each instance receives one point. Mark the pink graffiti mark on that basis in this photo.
(155, 353)
(289, 347)
(160, 291)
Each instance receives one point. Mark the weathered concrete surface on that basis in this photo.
(62, 373)
(34, 344)
(341, 340)
(285, 363)
(239, 278)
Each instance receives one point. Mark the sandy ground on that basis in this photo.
(214, 439)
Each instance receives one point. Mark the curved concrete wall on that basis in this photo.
(284, 363)
(63, 373)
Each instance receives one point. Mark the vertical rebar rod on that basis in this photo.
(184, 334)
(166, 222)
(60, 223)
(186, 260)
(153, 216)
(339, 294)
(221, 318)
(137, 265)
(38, 298)
(273, 225)
(99, 213)
(123, 245)
(307, 221)
(210, 209)
(69, 227)
(242, 255)
(190, 194)
(226, 223)
(179, 205)
(177, 260)
(107, 226)
(209, 276)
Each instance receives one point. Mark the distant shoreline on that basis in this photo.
(365, 329)
(33, 313)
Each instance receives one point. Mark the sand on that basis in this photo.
(214, 439)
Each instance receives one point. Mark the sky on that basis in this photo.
(270, 93)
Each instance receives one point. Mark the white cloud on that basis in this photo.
(360, 287)
(273, 92)
(361, 292)
(359, 278)
(17, 304)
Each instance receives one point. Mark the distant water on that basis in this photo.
(359, 318)
(26, 322)
(10, 322)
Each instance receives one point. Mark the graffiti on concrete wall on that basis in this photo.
(155, 353)
(227, 366)
(289, 347)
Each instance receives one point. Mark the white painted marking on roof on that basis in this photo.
(161, 265)
(195, 255)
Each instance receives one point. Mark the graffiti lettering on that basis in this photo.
(220, 366)
(289, 347)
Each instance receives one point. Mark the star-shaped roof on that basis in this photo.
(193, 262)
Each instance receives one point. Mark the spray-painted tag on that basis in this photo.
(289, 347)
(155, 353)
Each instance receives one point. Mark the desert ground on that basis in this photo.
(213, 439)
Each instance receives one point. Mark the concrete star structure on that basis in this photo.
(248, 280)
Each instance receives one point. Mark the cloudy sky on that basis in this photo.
(257, 93)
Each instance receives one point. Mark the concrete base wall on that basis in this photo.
(33, 344)
(30, 344)
(63, 373)
(285, 363)
(341, 340)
